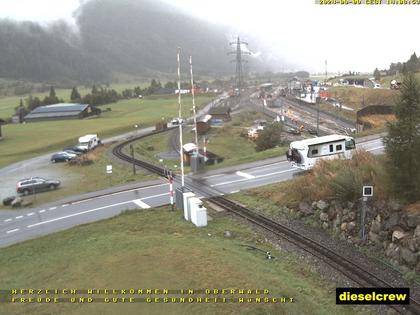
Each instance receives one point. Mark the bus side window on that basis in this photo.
(338, 147)
(331, 148)
(314, 152)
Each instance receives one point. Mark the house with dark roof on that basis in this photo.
(61, 111)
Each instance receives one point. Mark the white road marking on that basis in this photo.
(246, 175)
(7, 220)
(65, 205)
(52, 208)
(256, 178)
(279, 172)
(141, 204)
(267, 165)
(29, 214)
(41, 211)
(234, 192)
(211, 176)
(78, 213)
(11, 231)
(117, 193)
(377, 148)
(19, 217)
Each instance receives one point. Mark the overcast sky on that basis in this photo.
(350, 37)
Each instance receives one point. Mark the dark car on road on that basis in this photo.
(62, 157)
(36, 184)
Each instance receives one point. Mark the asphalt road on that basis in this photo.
(19, 225)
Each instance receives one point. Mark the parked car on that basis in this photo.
(312, 131)
(333, 102)
(36, 184)
(73, 152)
(292, 131)
(62, 157)
(74, 149)
(177, 121)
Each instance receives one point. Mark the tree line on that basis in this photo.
(97, 96)
(411, 65)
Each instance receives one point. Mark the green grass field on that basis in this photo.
(355, 97)
(157, 249)
(9, 102)
(22, 141)
(225, 141)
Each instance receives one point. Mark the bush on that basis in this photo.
(81, 160)
(342, 179)
(270, 137)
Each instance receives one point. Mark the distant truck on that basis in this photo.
(88, 142)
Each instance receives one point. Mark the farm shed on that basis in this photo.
(61, 111)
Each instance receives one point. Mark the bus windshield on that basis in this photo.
(350, 144)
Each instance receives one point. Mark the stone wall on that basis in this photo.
(387, 225)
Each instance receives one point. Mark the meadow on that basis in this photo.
(157, 249)
(23, 141)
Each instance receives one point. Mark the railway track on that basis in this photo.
(339, 262)
(340, 123)
(118, 151)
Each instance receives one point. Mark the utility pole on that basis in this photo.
(238, 52)
(181, 148)
(194, 109)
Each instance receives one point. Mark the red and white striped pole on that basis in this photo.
(171, 190)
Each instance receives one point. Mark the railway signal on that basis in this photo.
(367, 191)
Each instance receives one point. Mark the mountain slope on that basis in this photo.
(126, 36)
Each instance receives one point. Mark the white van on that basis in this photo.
(88, 142)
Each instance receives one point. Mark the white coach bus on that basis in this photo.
(304, 154)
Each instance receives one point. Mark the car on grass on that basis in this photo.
(36, 184)
(62, 157)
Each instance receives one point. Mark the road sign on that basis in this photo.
(109, 169)
(367, 191)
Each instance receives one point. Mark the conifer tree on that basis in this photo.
(402, 144)
(75, 95)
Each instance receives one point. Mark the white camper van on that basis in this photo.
(88, 142)
(305, 153)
